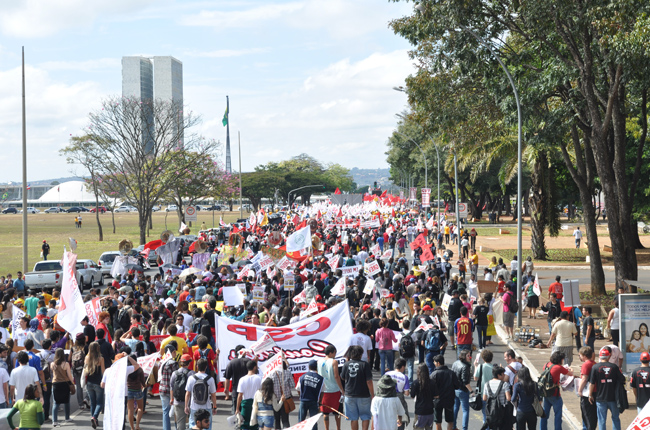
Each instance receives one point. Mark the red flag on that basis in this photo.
(392, 213)
(337, 191)
(340, 215)
(484, 206)
(383, 194)
(419, 242)
(446, 207)
(235, 229)
(303, 224)
(296, 219)
(427, 255)
(319, 215)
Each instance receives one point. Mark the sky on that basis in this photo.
(306, 76)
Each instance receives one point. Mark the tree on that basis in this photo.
(132, 144)
(261, 184)
(80, 151)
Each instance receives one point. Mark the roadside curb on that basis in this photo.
(608, 268)
(567, 415)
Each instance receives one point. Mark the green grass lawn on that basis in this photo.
(57, 228)
(569, 255)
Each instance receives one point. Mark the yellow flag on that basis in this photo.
(265, 220)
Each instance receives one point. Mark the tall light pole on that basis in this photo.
(297, 189)
(24, 185)
(457, 202)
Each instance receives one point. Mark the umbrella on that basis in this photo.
(189, 271)
(242, 263)
(170, 266)
(135, 267)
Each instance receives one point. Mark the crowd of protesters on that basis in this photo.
(424, 301)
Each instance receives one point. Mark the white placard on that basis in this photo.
(571, 293)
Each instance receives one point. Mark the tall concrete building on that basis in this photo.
(159, 78)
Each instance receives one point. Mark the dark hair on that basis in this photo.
(100, 333)
(523, 376)
(439, 359)
(497, 371)
(267, 390)
(29, 344)
(22, 357)
(462, 355)
(362, 326)
(46, 344)
(511, 354)
(564, 314)
(30, 392)
(557, 357)
(399, 363)
(588, 309)
(487, 355)
(135, 333)
(424, 380)
(383, 323)
(463, 311)
(330, 349)
(355, 352)
(250, 366)
(202, 414)
(202, 365)
(172, 330)
(406, 324)
(587, 351)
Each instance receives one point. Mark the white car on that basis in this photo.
(89, 274)
(31, 210)
(171, 208)
(126, 209)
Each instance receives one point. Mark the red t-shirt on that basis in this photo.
(585, 369)
(556, 288)
(183, 296)
(464, 328)
(197, 356)
(556, 372)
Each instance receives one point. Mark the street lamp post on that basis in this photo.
(426, 169)
(297, 189)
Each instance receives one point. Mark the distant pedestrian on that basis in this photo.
(577, 235)
(445, 383)
(45, 249)
(563, 332)
(588, 328)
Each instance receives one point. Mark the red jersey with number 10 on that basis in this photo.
(464, 328)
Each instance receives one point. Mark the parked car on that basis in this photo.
(101, 209)
(10, 211)
(155, 209)
(89, 274)
(54, 210)
(31, 210)
(45, 274)
(212, 208)
(171, 208)
(105, 262)
(126, 209)
(77, 209)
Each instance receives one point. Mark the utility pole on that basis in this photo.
(24, 187)
(241, 210)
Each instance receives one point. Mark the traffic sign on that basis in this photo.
(190, 214)
(462, 210)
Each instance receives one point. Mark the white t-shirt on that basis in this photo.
(516, 366)
(5, 335)
(19, 336)
(248, 386)
(577, 234)
(364, 341)
(22, 377)
(4, 378)
(212, 388)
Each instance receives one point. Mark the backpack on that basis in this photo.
(204, 354)
(513, 306)
(494, 410)
(124, 319)
(179, 385)
(432, 342)
(78, 358)
(407, 346)
(545, 384)
(197, 324)
(47, 369)
(200, 390)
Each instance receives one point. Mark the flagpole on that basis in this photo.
(24, 186)
(228, 165)
(241, 210)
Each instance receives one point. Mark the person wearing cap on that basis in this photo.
(589, 414)
(640, 382)
(605, 379)
(310, 390)
(175, 399)
(386, 407)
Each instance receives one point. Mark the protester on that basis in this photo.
(587, 409)
(605, 380)
(310, 390)
(357, 378)
(463, 370)
(565, 331)
(94, 370)
(62, 379)
(386, 407)
(328, 368)
(498, 387)
(265, 404)
(640, 382)
(178, 385)
(524, 394)
(445, 383)
(554, 400)
(384, 338)
(402, 388)
(30, 409)
(246, 389)
(166, 370)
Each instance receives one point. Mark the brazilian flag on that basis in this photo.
(224, 121)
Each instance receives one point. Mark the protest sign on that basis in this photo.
(373, 268)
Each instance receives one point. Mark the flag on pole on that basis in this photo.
(299, 240)
(224, 121)
(72, 309)
(536, 289)
(221, 223)
(337, 191)
(29, 186)
(311, 309)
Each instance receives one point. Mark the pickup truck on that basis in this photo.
(45, 274)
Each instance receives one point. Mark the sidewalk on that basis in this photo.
(535, 359)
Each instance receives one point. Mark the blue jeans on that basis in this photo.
(461, 400)
(307, 407)
(482, 335)
(55, 410)
(410, 365)
(96, 394)
(164, 399)
(549, 326)
(602, 408)
(386, 359)
(589, 342)
(556, 403)
(429, 360)
(459, 348)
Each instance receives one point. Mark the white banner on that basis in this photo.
(387, 255)
(642, 421)
(114, 395)
(426, 196)
(93, 308)
(265, 343)
(370, 285)
(300, 298)
(311, 309)
(412, 193)
(334, 262)
(373, 268)
(72, 309)
(232, 296)
(536, 289)
(148, 362)
(16, 314)
(283, 264)
(339, 288)
(301, 342)
(299, 240)
(266, 262)
(350, 271)
(273, 364)
(258, 293)
(309, 423)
